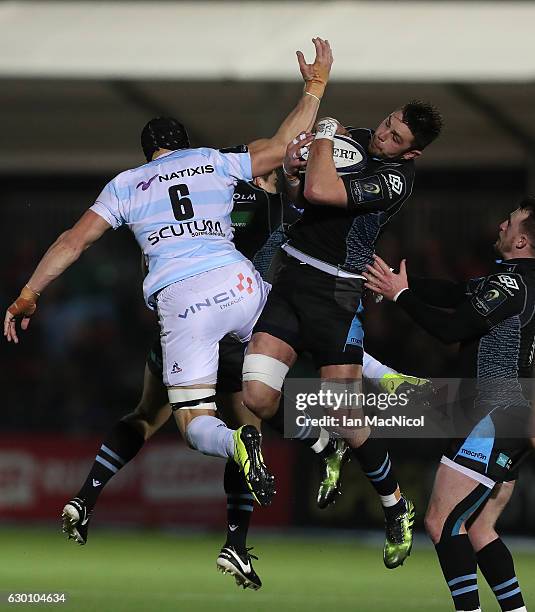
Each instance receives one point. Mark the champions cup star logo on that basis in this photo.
(145, 185)
(241, 286)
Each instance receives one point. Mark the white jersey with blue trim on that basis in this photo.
(178, 207)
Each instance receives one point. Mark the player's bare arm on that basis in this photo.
(323, 185)
(268, 153)
(62, 254)
(292, 166)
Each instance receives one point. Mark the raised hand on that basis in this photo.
(316, 74)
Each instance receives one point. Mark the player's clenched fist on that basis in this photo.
(22, 308)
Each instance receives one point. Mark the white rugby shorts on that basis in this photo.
(195, 313)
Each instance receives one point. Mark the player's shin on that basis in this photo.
(456, 554)
(193, 409)
(314, 437)
(210, 436)
(373, 369)
(496, 564)
(119, 447)
(376, 464)
(375, 461)
(239, 507)
(459, 566)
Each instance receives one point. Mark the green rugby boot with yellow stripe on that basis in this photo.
(398, 542)
(396, 383)
(332, 470)
(247, 454)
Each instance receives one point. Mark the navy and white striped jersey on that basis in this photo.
(178, 208)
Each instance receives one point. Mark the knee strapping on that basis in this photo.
(264, 369)
(192, 399)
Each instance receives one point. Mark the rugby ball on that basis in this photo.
(348, 155)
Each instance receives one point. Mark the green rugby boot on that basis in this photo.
(398, 542)
(397, 383)
(248, 456)
(332, 469)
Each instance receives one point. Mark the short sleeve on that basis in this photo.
(108, 205)
(499, 297)
(235, 162)
(376, 192)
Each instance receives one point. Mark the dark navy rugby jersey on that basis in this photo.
(493, 319)
(259, 220)
(346, 237)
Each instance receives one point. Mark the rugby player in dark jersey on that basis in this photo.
(317, 289)
(493, 318)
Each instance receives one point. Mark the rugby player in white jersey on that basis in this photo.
(178, 207)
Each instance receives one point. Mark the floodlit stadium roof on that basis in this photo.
(373, 41)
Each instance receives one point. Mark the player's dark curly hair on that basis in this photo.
(424, 121)
(528, 225)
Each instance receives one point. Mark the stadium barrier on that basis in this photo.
(166, 484)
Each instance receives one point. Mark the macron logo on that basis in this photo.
(474, 454)
(145, 185)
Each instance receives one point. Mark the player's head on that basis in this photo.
(407, 131)
(163, 133)
(517, 233)
(270, 182)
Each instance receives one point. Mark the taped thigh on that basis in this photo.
(264, 369)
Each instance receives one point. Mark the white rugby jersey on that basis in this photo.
(178, 207)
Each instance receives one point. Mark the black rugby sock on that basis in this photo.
(459, 566)
(239, 507)
(496, 564)
(375, 462)
(120, 446)
(312, 436)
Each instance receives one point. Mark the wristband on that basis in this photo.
(315, 87)
(326, 129)
(308, 93)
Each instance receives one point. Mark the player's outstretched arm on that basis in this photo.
(63, 253)
(472, 319)
(268, 153)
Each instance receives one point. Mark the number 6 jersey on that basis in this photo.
(178, 207)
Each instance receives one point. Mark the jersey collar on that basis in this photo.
(511, 264)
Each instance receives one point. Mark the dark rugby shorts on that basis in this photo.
(488, 452)
(315, 311)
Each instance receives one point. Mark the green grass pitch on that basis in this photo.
(155, 571)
